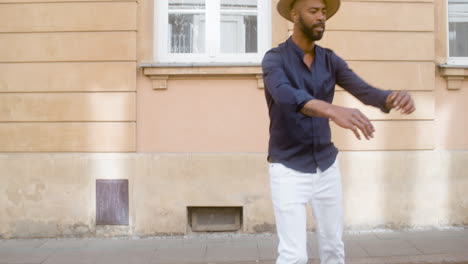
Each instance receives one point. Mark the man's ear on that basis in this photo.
(294, 15)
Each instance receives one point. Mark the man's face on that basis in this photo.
(311, 15)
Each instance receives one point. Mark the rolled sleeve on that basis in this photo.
(278, 84)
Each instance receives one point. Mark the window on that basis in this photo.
(212, 31)
(458, 32)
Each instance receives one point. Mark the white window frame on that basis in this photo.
(212, 34)
(453, 60)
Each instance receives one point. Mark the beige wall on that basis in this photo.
(70, 82)
(451, 120)
(203, 116)
(67, 76)
(402, 189)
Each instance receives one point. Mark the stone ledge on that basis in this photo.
(159, 74)
(455, 75)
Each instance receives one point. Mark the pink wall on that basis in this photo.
(209, 115)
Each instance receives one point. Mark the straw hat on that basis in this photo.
(284, 8)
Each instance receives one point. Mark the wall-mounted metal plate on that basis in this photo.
(111, 202)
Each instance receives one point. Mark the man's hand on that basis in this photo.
(344, 117)
(352, 119)
(400, 100)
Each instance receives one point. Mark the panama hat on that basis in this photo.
(284, 8)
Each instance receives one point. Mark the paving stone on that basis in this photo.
(439, 233)
(64, 243)
(74, 256)
(273, 240)
(249, 262)
(440, 245)
(248, 243)
(234, 239)
(127, 256)
(366, 247)
(249, 239)
(169, 243)
(187, 254)
(122, 243)
(359, 236)
(246, 251)
(392, 235)
(267, 252)
(383, 248)
(268, 248)
(354, 250)
(194, 240)
(24, 255)
(23, 243)
(427, 234)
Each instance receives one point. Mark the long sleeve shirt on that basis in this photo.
(298, 141)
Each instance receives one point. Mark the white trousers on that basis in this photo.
(291, 191)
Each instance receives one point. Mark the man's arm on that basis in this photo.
(347, 118)
(356, 86)
(278, 84)
(385, 100)
(353, 119)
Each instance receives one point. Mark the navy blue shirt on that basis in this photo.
(298, 141)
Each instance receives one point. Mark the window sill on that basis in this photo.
(455, 75)
(160, 73)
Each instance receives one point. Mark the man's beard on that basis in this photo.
(309, 31)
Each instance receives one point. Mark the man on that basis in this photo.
(300, 78)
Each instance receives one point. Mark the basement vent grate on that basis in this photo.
(215, 219)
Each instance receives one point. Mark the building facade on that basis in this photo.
(144, 117)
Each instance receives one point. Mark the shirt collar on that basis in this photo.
(298, 50)
(295, 48)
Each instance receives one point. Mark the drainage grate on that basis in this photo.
(215, 219)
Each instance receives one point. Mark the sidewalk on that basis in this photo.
(449, 246)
